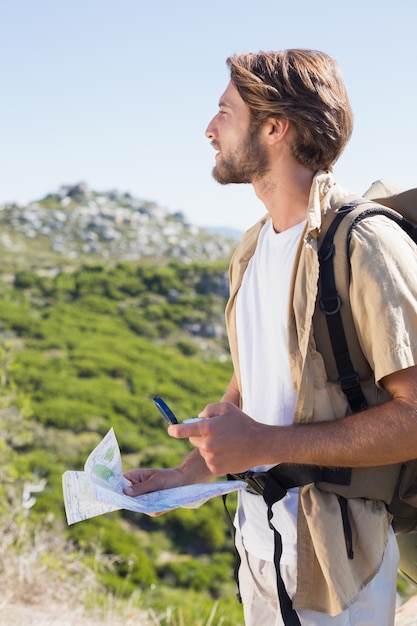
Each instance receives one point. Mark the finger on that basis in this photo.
(185, 431)
(134, 476)
(140, 488)
(137, 490)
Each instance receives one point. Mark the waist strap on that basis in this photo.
(285, 476)
(273, 485)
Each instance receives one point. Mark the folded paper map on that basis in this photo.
(99, 488)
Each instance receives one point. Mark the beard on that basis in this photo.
(248, 161)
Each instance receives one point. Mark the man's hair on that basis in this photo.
(305, 87)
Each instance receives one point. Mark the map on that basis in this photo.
(99, 488)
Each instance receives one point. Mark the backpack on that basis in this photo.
(396, 485)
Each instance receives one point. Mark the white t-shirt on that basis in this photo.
(267, 391)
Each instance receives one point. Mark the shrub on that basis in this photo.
(25, 278)
(187, 347)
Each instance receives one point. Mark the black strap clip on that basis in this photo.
(255, 480)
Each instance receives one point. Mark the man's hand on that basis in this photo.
(147, 480)
(227, 440)
(150, 479)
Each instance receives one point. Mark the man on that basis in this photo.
(283, 121)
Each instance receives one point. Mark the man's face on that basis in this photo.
(241, 157)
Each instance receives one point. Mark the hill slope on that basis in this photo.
(89, 335)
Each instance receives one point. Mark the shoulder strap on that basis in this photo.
(330, 304)
(376, 209)
(330, 301)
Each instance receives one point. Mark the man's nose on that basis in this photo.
(210, 130)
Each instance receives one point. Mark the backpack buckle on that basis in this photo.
(331, 305)
(255, 480)
(349, 381)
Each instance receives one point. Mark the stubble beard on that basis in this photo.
(246, 163)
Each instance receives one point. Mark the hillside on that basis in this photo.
(107, 301)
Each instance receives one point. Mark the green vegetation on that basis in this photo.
(84, 351)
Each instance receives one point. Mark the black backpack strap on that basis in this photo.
(273, 485)
(232, 530)
(330, 304)
(276, 483)
(330, 301)
(289, 614)
(285, 476)
(272, 492)
(377, 209)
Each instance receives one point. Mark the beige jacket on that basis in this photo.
(328, 581)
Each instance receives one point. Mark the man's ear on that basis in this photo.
(277, 129)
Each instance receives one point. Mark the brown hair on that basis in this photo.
(304, 86)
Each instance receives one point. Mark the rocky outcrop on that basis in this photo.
(76, 221)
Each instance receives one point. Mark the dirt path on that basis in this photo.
(55, 615)
(406, 615)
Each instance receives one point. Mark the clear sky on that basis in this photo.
(118, 93)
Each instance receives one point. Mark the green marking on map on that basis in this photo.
(103, 472)
(109, 455)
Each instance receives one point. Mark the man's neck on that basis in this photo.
(285, 195)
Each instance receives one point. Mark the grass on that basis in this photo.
(45, 573)
(38, 568)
